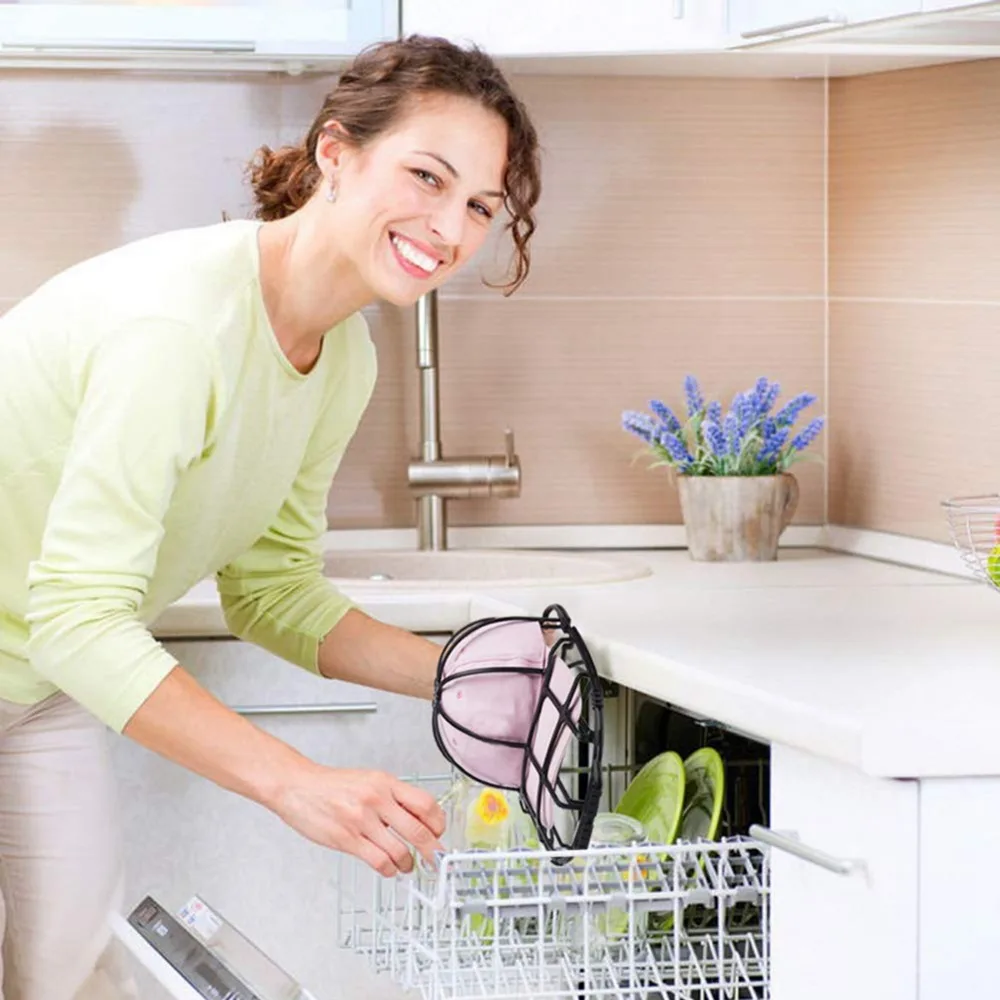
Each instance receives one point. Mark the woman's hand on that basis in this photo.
(369, 814)
(364, 813)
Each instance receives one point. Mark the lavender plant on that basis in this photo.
(748, 440)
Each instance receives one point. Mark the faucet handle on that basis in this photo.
(508, 447)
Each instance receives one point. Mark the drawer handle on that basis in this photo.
(341, 708)
(809, 22)
(130, 45)
(790, 844)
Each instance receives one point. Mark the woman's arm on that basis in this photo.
(366, 651)
(349, 810)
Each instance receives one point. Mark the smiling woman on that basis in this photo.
(440, 145)
(177, 408)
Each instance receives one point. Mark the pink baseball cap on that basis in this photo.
(511, 696)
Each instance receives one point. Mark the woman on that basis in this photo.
(178, 407)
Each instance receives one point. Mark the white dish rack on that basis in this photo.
(684, 922)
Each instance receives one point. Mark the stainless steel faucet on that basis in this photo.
(433, 479)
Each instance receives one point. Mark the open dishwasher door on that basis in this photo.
(194, 954)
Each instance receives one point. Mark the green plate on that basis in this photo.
(655, 797)
(703, 794)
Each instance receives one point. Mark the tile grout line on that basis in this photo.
(637, 298)
(826, 297)
(889, 300)
(823, 298)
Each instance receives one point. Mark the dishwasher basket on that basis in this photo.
(684, 922)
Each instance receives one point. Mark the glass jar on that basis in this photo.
(603, 876)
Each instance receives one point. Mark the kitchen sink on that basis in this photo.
(477, 567)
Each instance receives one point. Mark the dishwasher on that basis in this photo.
(684, 921)
(679, 921)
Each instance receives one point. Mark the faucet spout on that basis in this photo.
(427, 365)
(432, 478)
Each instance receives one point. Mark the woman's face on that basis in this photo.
(417, 202)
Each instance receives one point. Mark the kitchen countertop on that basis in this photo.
(893, 670)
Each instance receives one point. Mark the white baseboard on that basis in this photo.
(918, 552)
(550, 536)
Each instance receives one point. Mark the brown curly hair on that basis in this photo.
(370, 97)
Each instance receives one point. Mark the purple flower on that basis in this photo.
(806, 436)
(640, 424)
(715, 438)
(745, 408)
(695, 401)
(789, 413)
(666, 415)
(769, 399)
(732, 430)
(774, 441)
(713, 413)
(675, 448)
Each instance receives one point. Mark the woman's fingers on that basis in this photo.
(421, 804)
(412, 830)
(370, 814)
(372, 855)
(392, 847)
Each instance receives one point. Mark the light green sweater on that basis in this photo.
(152, 432)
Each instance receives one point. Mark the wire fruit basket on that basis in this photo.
(974, 523)
(689, 921)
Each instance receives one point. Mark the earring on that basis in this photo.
(331, 194)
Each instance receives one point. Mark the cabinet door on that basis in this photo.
(767, 18)
(586, 27)
(930, 5)
(959, 920)
(836, 936)
(268, 27)
(184, 835)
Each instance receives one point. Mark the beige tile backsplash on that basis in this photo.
(682, 229)
(915, 294)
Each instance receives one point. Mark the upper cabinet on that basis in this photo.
(942, 29)
(766, 19)
(682, 37)
(585, 27)
(245, 28)
(953, 4)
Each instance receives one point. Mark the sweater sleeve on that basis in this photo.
(148, 395)
(275, 594)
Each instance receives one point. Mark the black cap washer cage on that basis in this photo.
(575, 812)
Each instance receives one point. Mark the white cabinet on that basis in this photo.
(184, 835)
(585, 27)
(763, 19)
(242, 27)
(930, 5)
(959, 918)
(843, 935)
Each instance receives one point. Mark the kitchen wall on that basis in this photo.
(682, 230)
(915, 294)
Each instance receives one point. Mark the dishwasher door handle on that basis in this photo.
(337, 708)
(790, 844)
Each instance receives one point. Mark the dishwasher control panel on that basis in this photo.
(186, 954)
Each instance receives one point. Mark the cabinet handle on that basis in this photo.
(791, 845)
(679, 9)
(810, 22)
(136, 45)
(341, 708)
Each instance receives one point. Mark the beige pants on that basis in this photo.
(60, 860)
